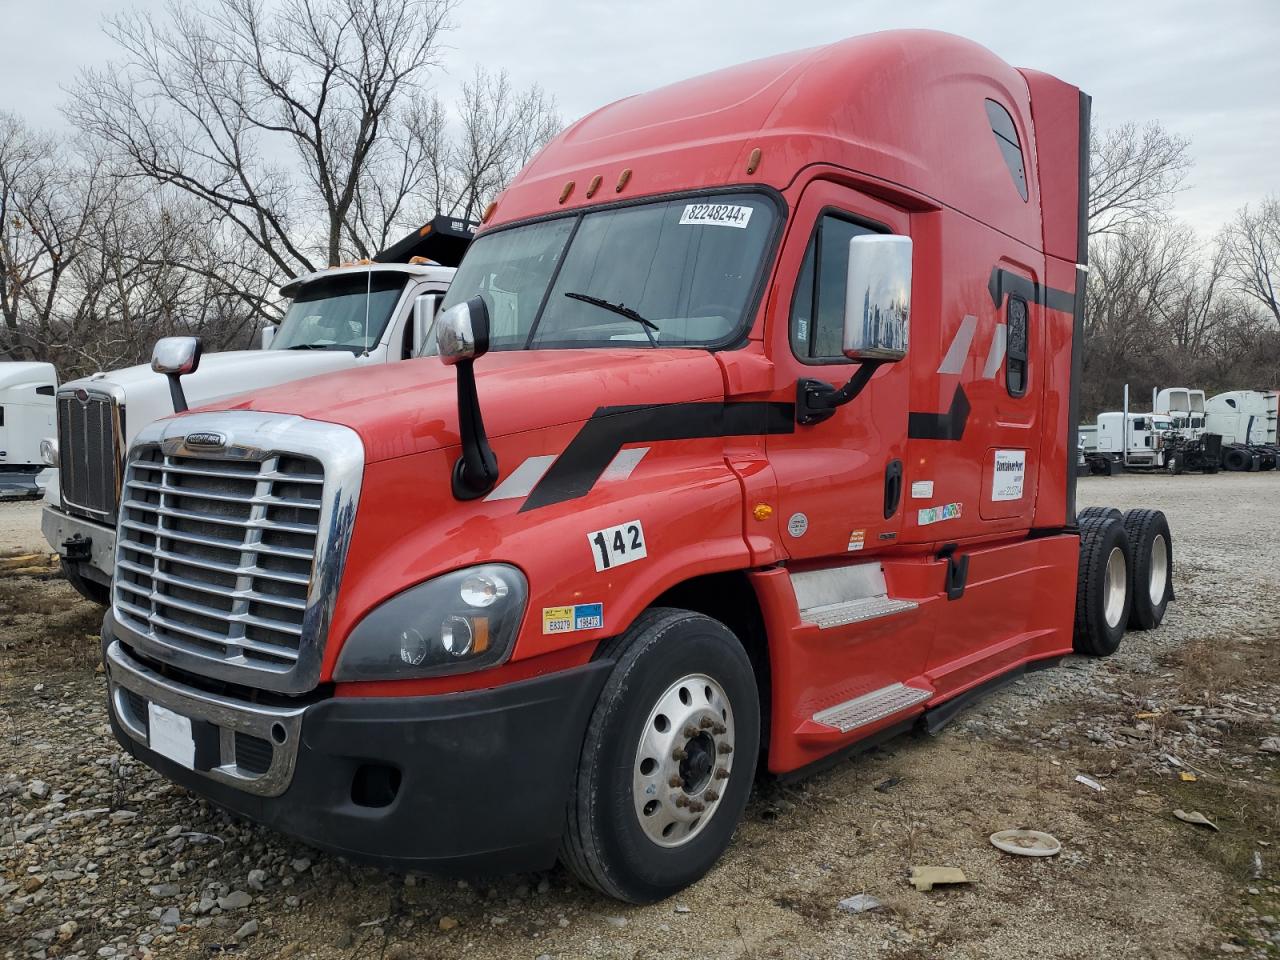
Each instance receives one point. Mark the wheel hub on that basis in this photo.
(1115, 587)
(683, 759)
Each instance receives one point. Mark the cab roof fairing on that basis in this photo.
(897, 106)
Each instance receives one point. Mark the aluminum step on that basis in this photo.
(854, 611)
(871, 707)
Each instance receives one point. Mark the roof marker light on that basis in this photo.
(754, 161)
(623, 178)
(568, 189)
(488, 211)
(595, 185)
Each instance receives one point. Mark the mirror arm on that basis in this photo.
(176, 392)
(817, 400)
(476, 471)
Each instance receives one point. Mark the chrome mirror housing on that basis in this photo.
(424, 314)
(176, 356)
(877, 304)
(462, 331)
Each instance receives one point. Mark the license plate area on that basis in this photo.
(189, 743)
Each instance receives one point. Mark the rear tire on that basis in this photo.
(1103, 599)
(1235, 460)
(654, 808)
(1150, 567)
(91, 590)
(1091, 513)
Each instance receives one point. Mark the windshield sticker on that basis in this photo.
(581, 616)
(716, 215)
(1006, 479)
(928, 515)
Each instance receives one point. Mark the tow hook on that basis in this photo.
(77, 547)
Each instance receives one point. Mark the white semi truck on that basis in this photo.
(1244, 419)
(26, 417)
(355, 315)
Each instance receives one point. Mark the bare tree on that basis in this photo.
(1252, 243)
(277, 120)
(1134, 173)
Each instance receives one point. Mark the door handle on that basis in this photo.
(892, 487)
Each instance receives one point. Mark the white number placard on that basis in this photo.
(614, 546)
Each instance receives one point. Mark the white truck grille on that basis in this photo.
(215, 556)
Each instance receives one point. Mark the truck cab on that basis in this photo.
(745, 438)
(26, 418)
(1138, 441)
(349, 317)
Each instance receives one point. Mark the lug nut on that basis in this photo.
(690, 732)
(712, 796)
(722, 774)
(722, 748)
(675, 780)
(719, 728)
(696, 806)
(678, 753)
(681, 800)
(706, 723)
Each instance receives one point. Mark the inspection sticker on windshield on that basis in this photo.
(614, 546)
(716, 215)
(581, 616)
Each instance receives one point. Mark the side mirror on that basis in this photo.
(877, 304)
(269, 335)
(175, 356)
(424, 312)
(462, 331)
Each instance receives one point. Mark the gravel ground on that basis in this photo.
(20, 526)
(101, 858)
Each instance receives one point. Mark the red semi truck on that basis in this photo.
(747, 439)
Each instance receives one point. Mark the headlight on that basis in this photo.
(461, 621)
(49, 451)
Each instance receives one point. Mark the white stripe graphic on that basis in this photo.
(621, 466)
(522, 479)
(995, 356)
(953, 362)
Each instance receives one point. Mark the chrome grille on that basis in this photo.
(215, 556)
(89, 434)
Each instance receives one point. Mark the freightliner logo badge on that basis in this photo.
(206, 439)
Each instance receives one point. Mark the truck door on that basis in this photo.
(839, 481)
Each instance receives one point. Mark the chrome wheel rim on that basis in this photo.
(1158, 581)
(683, 760)
(1115, 587)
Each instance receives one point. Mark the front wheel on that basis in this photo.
(667, 761)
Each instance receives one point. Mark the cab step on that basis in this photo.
(838, 596)
(871, 707)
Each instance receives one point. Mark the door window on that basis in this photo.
(817, 312)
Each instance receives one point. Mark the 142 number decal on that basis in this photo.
(614, 546)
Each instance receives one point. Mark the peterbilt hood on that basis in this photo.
(145, 393)
(412, 407)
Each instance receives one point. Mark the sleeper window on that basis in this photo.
(817, 312)
(1006, 135)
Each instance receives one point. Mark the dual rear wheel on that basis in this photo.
(1125, 577)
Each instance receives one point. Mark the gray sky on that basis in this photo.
(1208, 69)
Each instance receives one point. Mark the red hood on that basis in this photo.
(411, 407)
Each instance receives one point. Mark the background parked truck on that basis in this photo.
(350, 316)
(26, 418)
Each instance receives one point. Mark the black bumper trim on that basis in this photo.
(484, 776)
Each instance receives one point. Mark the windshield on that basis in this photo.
(329, 314)
(1162, 424)
(673, 273)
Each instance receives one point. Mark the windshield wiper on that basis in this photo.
(307, 346)
(621, 309)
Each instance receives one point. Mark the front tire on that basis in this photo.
(668, 758)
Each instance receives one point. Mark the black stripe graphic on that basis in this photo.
(941, 426)
(578, 468)
(1004, 281)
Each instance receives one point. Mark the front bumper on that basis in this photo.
(463, 783)
(58, 526)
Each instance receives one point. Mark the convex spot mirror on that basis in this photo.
(424, 313)
(877, 304)
(462, 331)
(176, 355)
